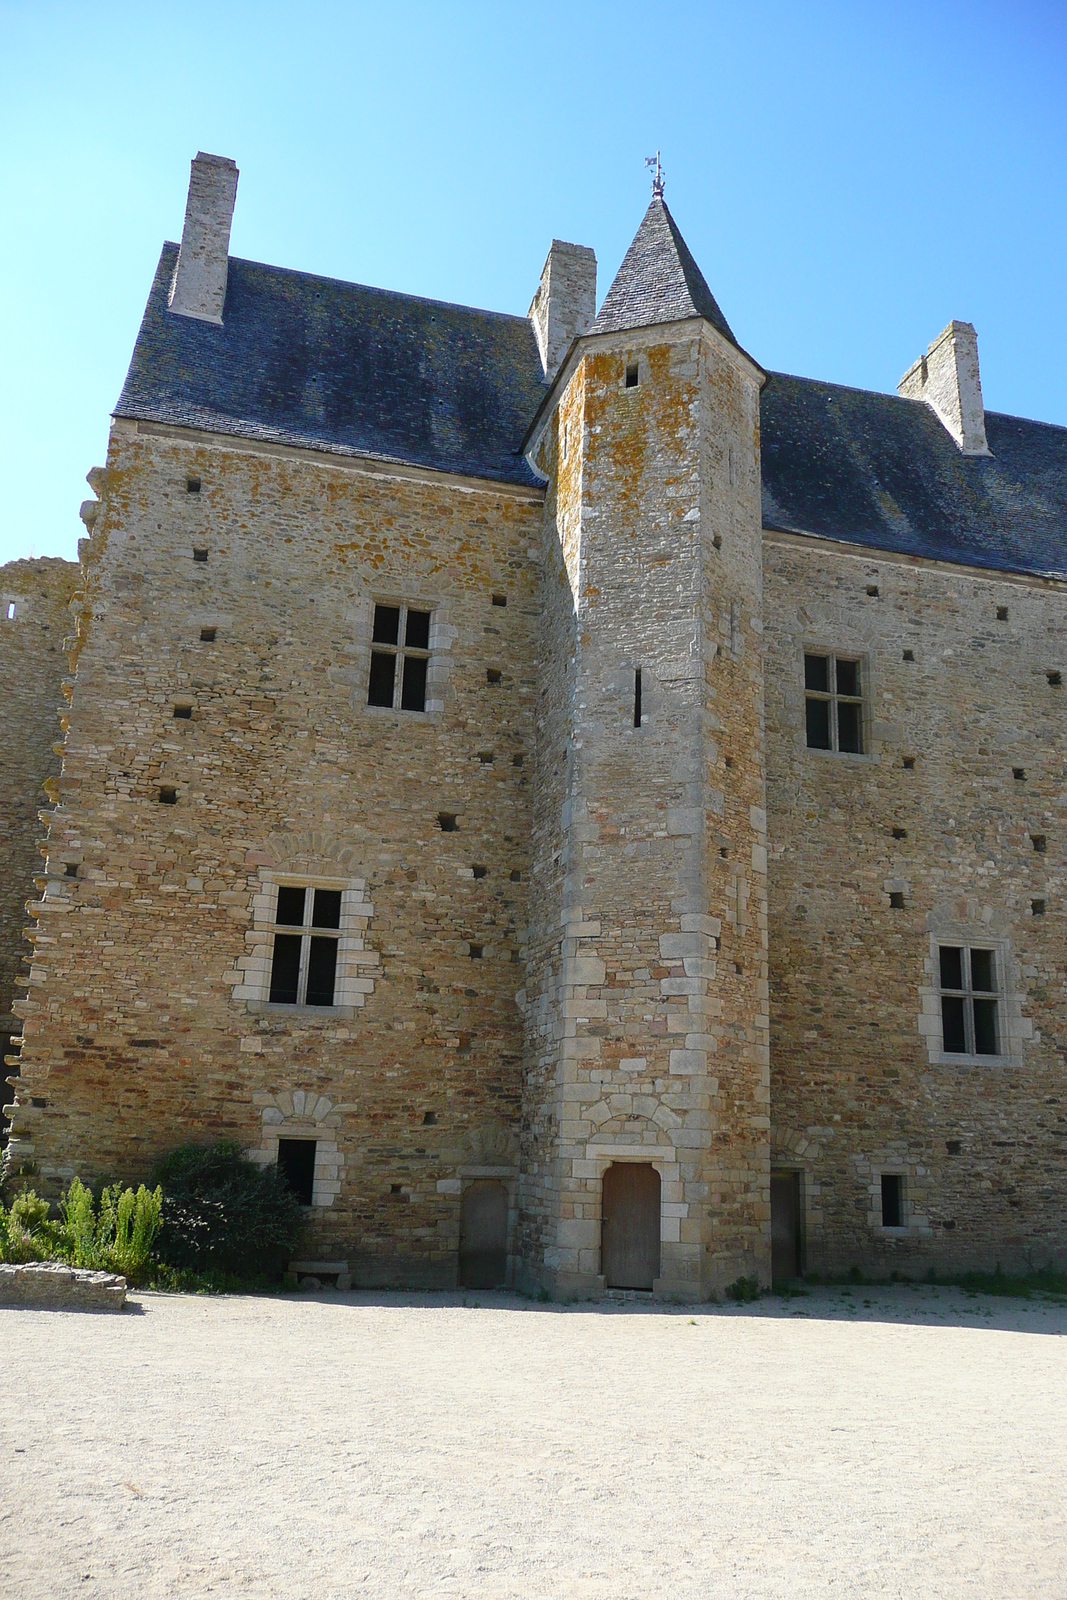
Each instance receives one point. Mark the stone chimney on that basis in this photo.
(199, 286)
(946, 377)
(565, 303)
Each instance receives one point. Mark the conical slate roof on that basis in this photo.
(658, 281)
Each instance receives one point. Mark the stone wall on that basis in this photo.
(963, 772)
(34, 621)
(147, 1023)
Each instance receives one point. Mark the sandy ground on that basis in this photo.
(847, 1443)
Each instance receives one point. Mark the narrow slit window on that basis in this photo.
(304, 959)
(11, 611)
(970, 1021)
(637, 698)
(892, 1200)
(399, 658)
(833, 703)
(633, 375)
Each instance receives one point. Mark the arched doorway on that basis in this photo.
(483, 1235)
(629, 1249)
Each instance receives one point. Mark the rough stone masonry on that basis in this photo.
(586, 807)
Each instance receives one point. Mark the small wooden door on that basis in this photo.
(785, 1226)
(483, 1235)
(629, 1249)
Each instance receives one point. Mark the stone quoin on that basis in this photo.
(587, 807)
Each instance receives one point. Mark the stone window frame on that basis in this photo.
(302, 1114)
(439, 667)
(1013, 1028)
(353, 980)
(837, 651)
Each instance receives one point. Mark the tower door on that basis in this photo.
(630, 1235)
(785, 1226)
(483, 1235)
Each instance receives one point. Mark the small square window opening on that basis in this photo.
(1019, 774)
(1039, 842)
(207, 635)
(896, 900)
(192, 484)
(493, 675)
(833, 703)
(199, 554)
(500, 599)
(909, 655)
(970, 1023)
(1002, 613)
(1037, 908)
(1054, 678)
(184, 712)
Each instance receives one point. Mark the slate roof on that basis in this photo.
(658, 281)
(313, 362)
(874, 469)
(338, 367)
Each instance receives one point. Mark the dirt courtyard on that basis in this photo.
(899, 1442)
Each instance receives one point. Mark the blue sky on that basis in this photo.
(848, 175)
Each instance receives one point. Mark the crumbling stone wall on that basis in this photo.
(141, 1031)
(964, 763)
(34, 621)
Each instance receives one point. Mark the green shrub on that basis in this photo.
(224, 1215)
(25, 1231)
(117, 1236)
(744, 1289)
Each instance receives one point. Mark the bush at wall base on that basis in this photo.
(223, 1215)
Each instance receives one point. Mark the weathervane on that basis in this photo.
(657, 175)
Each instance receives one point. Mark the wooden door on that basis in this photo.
(785, 1226)
(629, 1249)
(483, 1235)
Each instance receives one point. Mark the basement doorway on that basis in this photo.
(629, 1243)
(786, 1252)
(483, 1235)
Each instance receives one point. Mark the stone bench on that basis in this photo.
(315, 1273)
(52, 1286)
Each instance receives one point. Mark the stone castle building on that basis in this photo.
(588, 807)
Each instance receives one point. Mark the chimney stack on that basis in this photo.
(946, 378)
(565, 303)
(199, 286)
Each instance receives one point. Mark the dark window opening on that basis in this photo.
(183, 711)
(207, 635)
(632, 375)
(953, 1146)
(168, 796)
(872, 590)
(1055, 678)
(192, 484)
(500, 599)
(716, 542)
(296, 1163)
(833, 704)
(480, 872)
(909, 763)
(476, 952)
(637, 698)
(1039, 843)
(900, 833)
(1037, 908)
(398, 669)
(968, 982)
(909, 655)
(429, 1119)
(892, 1200)
(71, 869)
(304, 963)
(493, 675)
(485, 757)
(199, 555)
(896, 900)
(1002, 613)
(1019, 774)
(447, 822)
(515, 876)
(516, 761)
